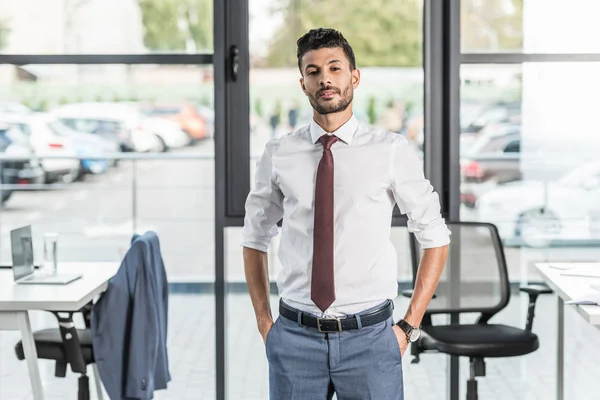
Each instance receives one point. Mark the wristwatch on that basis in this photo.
(412, 333)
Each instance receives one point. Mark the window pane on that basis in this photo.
(85, 110)
(69, 110)
(105, 26)
(529, 26)
(529, 155)
(390, 94)
(75, 110)
(544, 198)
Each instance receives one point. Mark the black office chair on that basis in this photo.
(479, 286)
(67, 346)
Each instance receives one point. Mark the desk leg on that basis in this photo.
(30, 355)
(560, 356)
(97, 381)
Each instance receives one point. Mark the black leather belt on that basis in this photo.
(337, 324)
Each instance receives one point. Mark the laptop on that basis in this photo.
(21, 242)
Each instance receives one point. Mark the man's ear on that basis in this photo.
(302, 85)
(355, 78)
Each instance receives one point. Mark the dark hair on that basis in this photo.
(321, 38)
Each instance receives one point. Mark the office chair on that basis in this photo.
(480, 286)
(67, 346)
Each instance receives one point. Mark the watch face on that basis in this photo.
(415, 334)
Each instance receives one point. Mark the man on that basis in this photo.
(335, 183)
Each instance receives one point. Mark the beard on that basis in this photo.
(323, 106)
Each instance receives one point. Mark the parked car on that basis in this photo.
(13, 107)
(110, 122)
(89, 145)
(495, 113)
(147, 133)
(493, 159)
(17, 172)
(208, 113)
(189, 118)
(539, 212)
(45, 141)
(108, 129)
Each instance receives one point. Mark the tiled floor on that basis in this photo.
(192, 344)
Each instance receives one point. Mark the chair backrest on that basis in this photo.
(475, 278)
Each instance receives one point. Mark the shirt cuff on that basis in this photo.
(436, 236)
(256, 243)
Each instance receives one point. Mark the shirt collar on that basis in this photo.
(344, 132)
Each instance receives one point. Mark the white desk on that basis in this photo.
(17, 300)
(568, 288)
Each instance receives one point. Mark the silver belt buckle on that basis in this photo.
(339, 324)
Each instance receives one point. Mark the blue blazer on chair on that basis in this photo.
(129, 324)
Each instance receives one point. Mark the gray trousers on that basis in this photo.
(359, 364)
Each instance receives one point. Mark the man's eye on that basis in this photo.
(335, 68)
(311, 72)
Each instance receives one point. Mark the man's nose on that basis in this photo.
(325, 79)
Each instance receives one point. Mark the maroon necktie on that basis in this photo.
(322, 290)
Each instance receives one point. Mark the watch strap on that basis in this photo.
(406, 327)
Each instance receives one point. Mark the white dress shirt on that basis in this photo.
(373, 170)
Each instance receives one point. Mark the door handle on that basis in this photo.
(234, 60)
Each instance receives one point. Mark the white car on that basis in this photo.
(169, 132)
(538, 213)
(147, 133)
(90, 145)
(128, 125)
(47, 141)
(13, 107)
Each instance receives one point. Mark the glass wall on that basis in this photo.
(528, 152)
(527, 146)
(116, 111)
(388, 49)
(528, 159)
(529, 26)
(106, 26)
(137, 142)
(158, 118)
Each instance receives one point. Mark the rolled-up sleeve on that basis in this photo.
(264, 205)
(416, 197)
